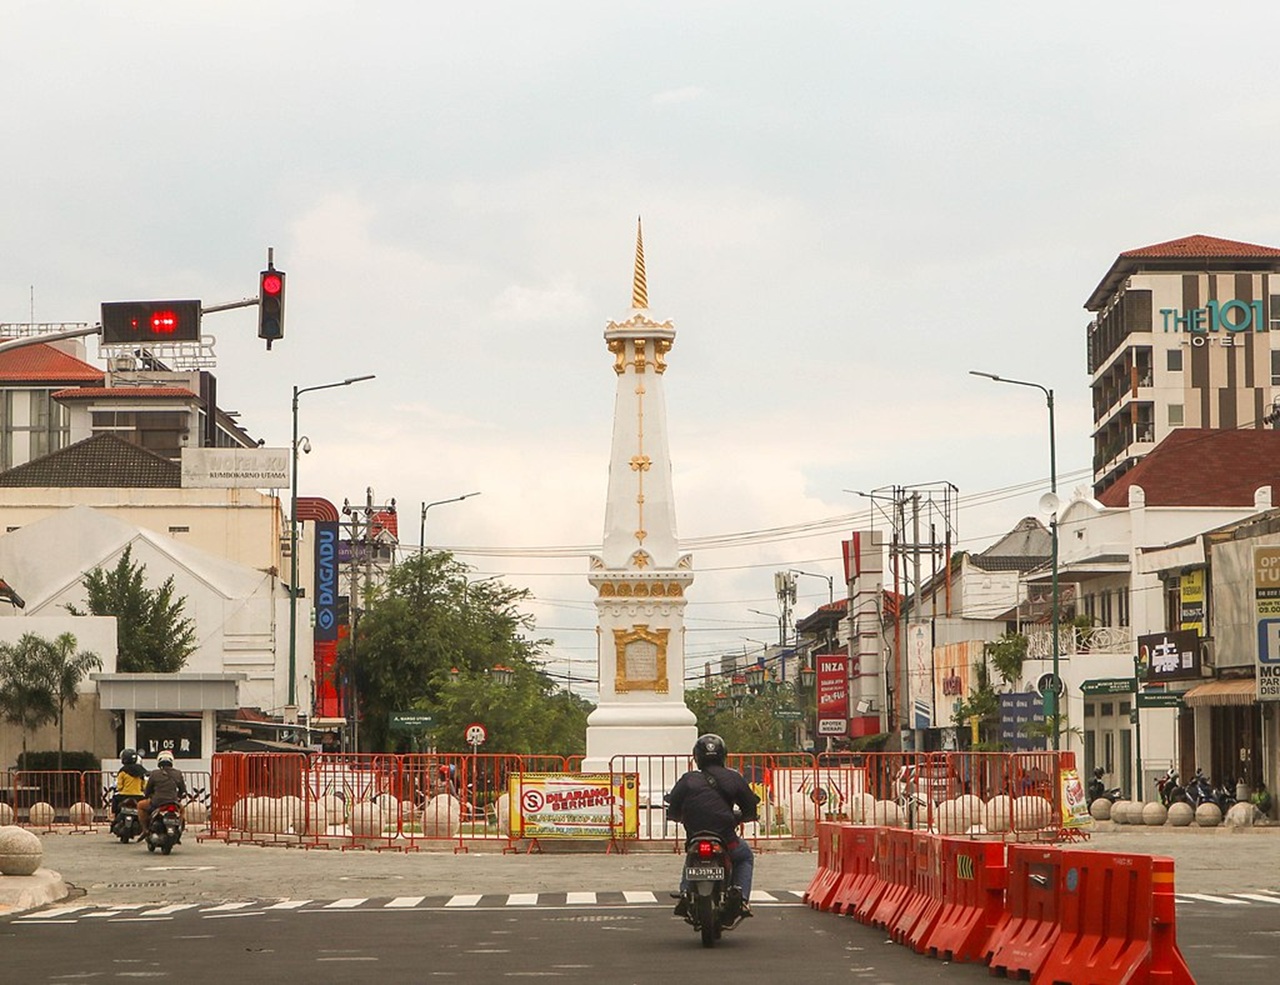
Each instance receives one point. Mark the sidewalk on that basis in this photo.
(96, 865)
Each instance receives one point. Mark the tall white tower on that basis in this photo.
(640, 578)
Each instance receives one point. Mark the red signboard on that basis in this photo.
(833, 693)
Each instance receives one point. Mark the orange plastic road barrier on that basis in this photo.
(858, 845)
(1107, 922)
(1167, 965)
(895, 870)
(830, 860)
(923, 908)
(1029, 926)
(878, 883)
(974, 876)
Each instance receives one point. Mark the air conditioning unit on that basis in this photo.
(122, 364)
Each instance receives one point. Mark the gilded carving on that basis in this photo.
(640, 463)
(641, 560)
(640, 656)
(640, 360)
(660, 349)
(619, 350)
(653, 589)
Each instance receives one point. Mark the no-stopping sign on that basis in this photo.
(476, 734)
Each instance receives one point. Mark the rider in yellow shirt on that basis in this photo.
(130, 781)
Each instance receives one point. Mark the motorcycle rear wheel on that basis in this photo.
(166, 848)
(707, 920)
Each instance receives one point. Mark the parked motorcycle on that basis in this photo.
(712, 904)
(1170, 790)
(165, 828)
(1224, 796)
(1097, 791)
(1199, 790)
(125, 825)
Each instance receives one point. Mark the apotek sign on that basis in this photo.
(833, 693)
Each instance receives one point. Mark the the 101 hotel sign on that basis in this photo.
(1266, 603)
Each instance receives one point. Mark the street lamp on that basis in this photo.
(831, 582)
(422, 527)
(293, 533)
(772, 615)
(1051, 699)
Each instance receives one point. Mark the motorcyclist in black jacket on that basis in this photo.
(705, 800)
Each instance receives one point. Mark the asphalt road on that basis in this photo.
(294, 915)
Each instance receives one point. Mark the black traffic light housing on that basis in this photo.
(271, 305)
(130, 322)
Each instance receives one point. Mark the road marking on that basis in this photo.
(522, 899)
(463, 901)
(166, 910)
(579, 899)
(348, 959)
(227, 906)
(1258, 898)
(31, 920)
(1207, 898)
(346, 904)
(289, 904)
(639, 897)
(405, 901)
(57, 911)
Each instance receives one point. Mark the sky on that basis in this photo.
(846, 207)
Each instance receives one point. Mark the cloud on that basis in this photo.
(684, 94)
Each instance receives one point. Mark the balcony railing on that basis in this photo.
(1099, 639)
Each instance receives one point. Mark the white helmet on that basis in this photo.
(165, 758)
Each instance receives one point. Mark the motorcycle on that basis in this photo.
(1096, 791)
(712, 903)
(1224, 796)
(1170, 790)
(125, 825)
(165, 828)
(1199, 790)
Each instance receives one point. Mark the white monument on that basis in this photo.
(640, 578)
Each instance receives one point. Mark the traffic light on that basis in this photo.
(271, 305)
(150, 321)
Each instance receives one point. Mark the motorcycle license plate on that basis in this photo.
(697, 873)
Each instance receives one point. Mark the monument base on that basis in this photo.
(658, 747)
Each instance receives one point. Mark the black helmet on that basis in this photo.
(709, 749)
(1097, 771)
(128, 757)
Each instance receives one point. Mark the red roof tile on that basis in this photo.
(1212, 251)
(124, 393)
(1203, 467)
(1200, 245)
(44, 363)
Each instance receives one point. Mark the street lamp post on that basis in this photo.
(1051, 699)
(831, 582)
(422, 527)
(293, 534)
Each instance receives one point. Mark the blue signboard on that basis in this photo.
(326, 601)
(1018, 710)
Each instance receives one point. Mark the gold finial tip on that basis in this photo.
(639, 289)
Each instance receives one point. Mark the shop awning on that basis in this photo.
(1243, 691)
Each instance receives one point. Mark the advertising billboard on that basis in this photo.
(832, 679)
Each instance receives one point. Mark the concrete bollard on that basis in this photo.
(20, 851)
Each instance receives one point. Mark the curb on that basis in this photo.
(21, 893)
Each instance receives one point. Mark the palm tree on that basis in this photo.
(69, 669)
(27, 697)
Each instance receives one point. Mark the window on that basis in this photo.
(1126, 707)
(1104, 615)
(1174, 360)
(43, 428)
(1122, 607)
(1175, 415)
(162, 432)
(1275, 367)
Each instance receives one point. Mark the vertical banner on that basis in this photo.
(833, 693)
(1075, 803)
(1266, 604)
(326, 596)
(1191, 601)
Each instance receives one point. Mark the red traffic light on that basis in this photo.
(158, 321)
(272, 283)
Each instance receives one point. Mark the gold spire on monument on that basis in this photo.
(639, 290)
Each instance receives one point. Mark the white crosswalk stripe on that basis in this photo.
(405, 901)
(346, 904)
(639, 897)
(228, 906)
(522, 899)
(1258, 898)
(464, 900)
(580, 899)
(57, 911)
(289, 904)
(760, 896)
(165, 911)
(1209, 898)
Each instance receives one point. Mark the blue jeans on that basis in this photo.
(744, 863)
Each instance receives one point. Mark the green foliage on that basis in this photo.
(152, 636)
(751, 726)
(28, 693)
(982, 703)
(426, 620)
(69, 667)
(79, 760)
(1007, 655)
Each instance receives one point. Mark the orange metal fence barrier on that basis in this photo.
(48, 800)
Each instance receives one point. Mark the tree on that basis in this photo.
(982, 704)
(751, 725)
(152, 635)
(28, 692)
(426, 620)
(1007, 655)
(69, 669)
